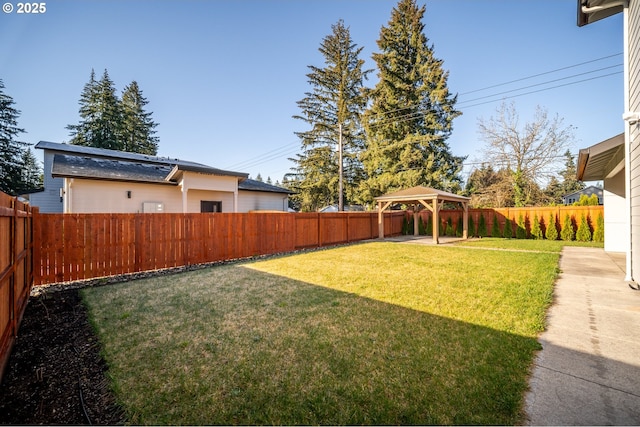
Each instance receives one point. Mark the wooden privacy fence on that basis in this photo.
(558, 213)
(16, 269)
(84, 246)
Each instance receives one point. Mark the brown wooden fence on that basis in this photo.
(528, 214)
(84, 246)
(16, 269)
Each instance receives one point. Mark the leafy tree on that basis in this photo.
(567, 233)
(598, 233)
(482, 226)
(137, 124)
(552, 232)
(495, 229)
(332, 109)
(411, 113)
(526, 152)
(11, 150)
(584, 232)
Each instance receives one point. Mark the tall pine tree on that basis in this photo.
(11, 150)
(412, 111)
(332, 110)
(137, 125)
(108, 122)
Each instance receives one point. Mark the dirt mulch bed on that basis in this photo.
(55, 374)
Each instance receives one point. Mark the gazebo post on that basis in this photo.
(435, 222)
(465, 220)
(416, 231)
(380, 222)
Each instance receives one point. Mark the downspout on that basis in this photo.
(627, 145)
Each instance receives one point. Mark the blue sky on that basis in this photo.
(223, 77)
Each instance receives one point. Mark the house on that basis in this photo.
(81, 179)
(571, 198)
(617, 160)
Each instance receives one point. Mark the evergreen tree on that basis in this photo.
(536, 231)
(471, 227)
(567, 233)
(137, 125)
(332, 110)
(429, 226)
(411, 114)
(31, 176)
(11, 150)
(101, 116)
(495, 229)
(108, 122)
(598, 233)
(552, 232)
(521, 230)
(584, 233)
(508, 229)
(482, 226)
(569, 176)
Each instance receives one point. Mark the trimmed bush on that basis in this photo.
(521, 229)
(429, 227)
(459, 227)
(598, 233)
(495, 229)
(567, 233)
(507, 233)
(584, 233)
(536, 231)
(449, 230)
(422, 228)
(552, 231)
(482, 226)
(471, 228)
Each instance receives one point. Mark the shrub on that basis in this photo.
(584, 233)
(448, 231)
(521, 229)
(495, 229)
(429, 227)
(508, 230)
(407, 225)
(459, 227)
(552, 231)
(567, 233)
(536, 231)
(471, 228)
(598, 233)
(422, 228)
(482, 226)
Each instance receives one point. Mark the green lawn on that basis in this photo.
(375, 333)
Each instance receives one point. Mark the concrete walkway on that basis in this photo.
(588, 372)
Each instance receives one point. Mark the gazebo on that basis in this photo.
(431, 199)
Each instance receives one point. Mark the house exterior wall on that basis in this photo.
(92, 196)
(48, 200)
(616, 238)
(258, 201)
(633, 52)
(194, 197)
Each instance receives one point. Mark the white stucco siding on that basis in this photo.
(616, 238)
(198, 181)
(93, 196)
(194, 197)
(262, 201)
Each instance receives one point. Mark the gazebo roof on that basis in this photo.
(421, 193)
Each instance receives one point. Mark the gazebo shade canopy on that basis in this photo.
(414, 194)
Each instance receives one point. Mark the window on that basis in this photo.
(210, 206)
